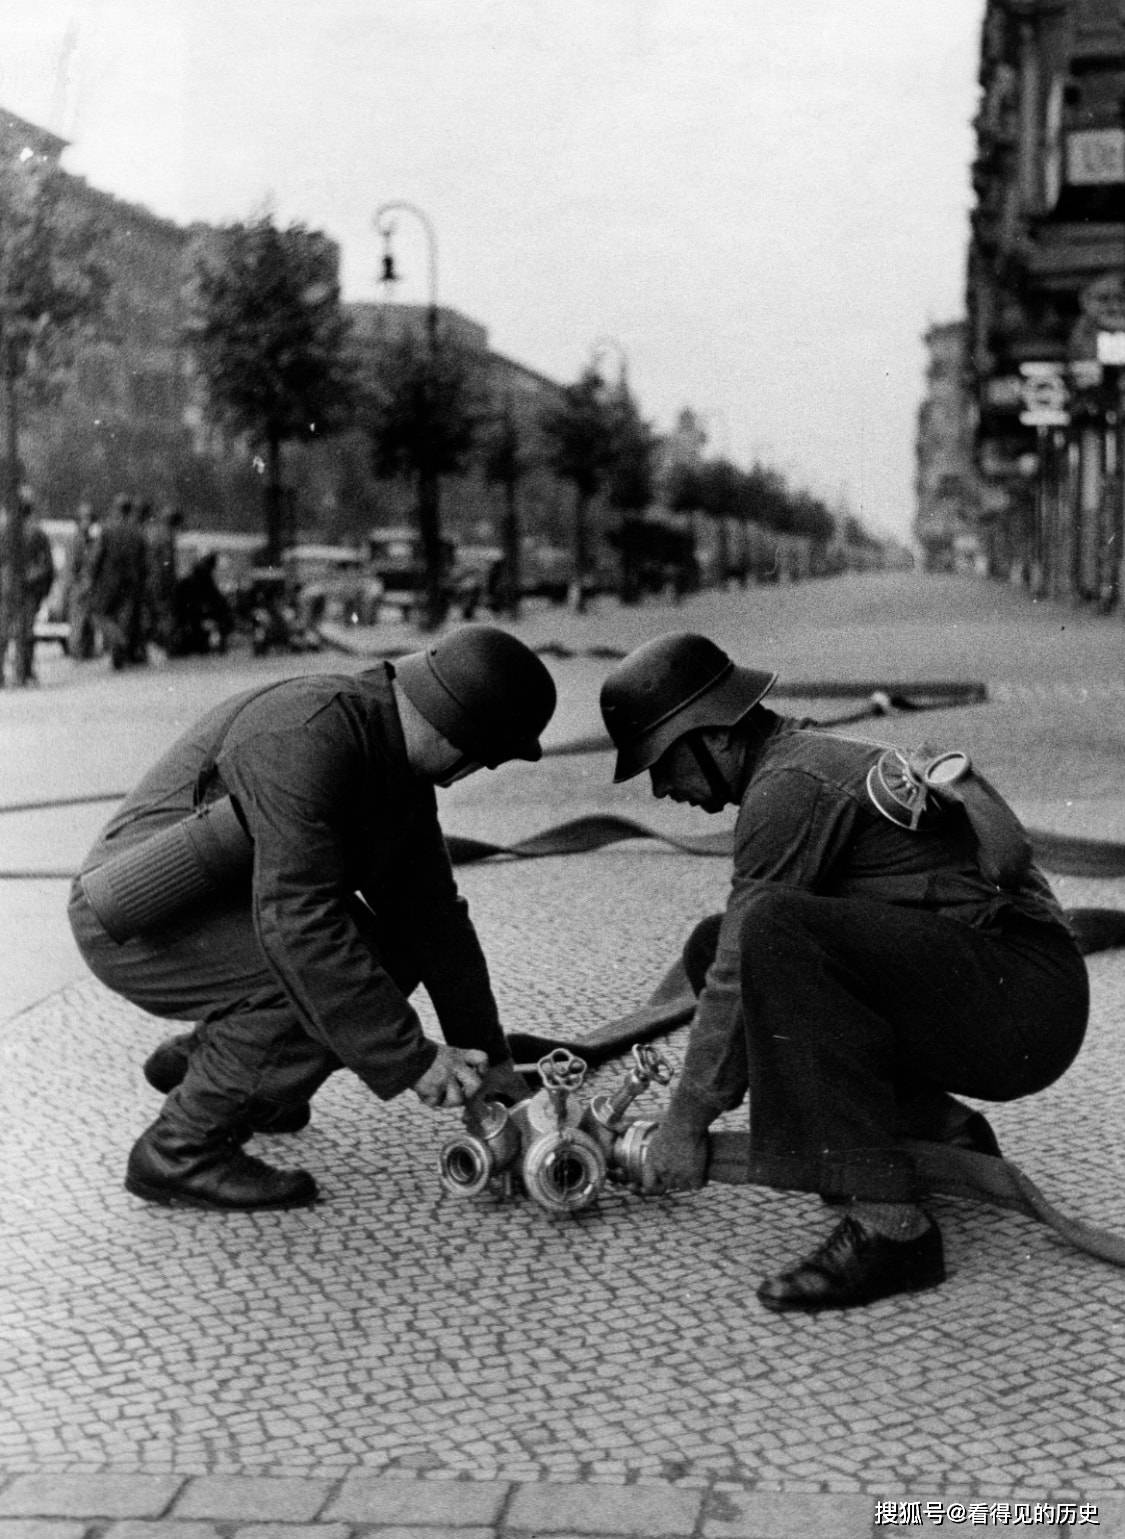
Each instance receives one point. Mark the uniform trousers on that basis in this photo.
(862, 1017)
(250, 1055)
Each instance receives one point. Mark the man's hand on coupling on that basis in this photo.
(676, 1156)
(453, 1077)
(504, 1082)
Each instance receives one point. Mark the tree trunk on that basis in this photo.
(274, 511)
(513, 579)
(629, 536)
(722, 552)
(429, 527)
(11, 606)
(581, 552)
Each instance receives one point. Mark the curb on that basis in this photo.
(354, 1506)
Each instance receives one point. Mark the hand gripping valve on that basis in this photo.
(558, 1150)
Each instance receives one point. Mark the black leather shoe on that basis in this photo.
(854, 1266)
(167, 1167)
(166, 1065)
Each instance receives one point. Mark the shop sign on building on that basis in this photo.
(1095, 157)
(1111, 347)
(1003, 392)
(1104, 302)
(1044, 395)
(1086, 373)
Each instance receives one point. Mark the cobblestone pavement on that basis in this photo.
(399, 1360)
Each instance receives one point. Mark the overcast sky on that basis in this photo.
(762, 204)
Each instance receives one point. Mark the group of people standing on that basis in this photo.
(120, 582)
(123, 588)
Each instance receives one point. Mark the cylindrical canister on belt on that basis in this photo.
(151, 883)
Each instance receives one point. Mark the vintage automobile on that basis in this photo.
(336, 584)
(395, 556)
(52, 622)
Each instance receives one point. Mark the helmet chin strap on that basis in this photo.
(716, 780)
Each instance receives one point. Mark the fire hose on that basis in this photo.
(561, 1152)
(551, 1146)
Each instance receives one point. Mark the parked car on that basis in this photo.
(236, 551)
(545, 571)
(335, 583)
(395, 556)
(51, 622)
(271, 613)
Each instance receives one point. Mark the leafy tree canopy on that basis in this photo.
(268, 331)
(578, 433)
(425, 408)
(760, 495)
(632, 468)
(53, 277)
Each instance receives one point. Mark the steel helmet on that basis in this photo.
(670, 686)
(483, 690)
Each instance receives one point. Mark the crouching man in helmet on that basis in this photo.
(863, 968)
(306, 966)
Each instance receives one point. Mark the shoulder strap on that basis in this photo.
(207, 768)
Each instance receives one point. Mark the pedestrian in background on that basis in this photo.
(143, 621)
(21, 602)
(118, 579)
(886, 941)
(162, 576)
(81, 631)
(203, 617)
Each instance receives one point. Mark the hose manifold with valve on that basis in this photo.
(555, 1148)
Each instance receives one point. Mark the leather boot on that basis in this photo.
(273, 1117)
(166, 1066)
(176, 1167)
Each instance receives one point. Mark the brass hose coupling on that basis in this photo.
(559, 1151)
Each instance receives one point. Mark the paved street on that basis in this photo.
(397, 1359)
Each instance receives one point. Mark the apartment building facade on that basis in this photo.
(131, 417)
(1045, 345)
(946, 489)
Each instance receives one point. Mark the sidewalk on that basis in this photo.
(210, 1507)
(397, 1361)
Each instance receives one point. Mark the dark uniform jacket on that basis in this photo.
(317, 768)
(806, 820)
(118, 568)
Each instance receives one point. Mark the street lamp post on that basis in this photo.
(620, 415)
(602, 345)
(19, 186)
(428, 482)
(386, 229)
(722, 532)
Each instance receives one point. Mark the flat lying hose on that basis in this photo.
(955, 1172)
(580, 835)
(942, 1169)
(950, 1172)
(1065, 854)
(1096, 929)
